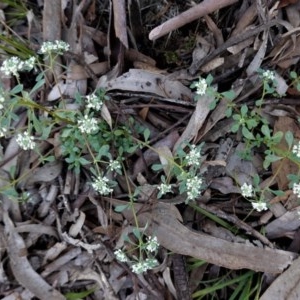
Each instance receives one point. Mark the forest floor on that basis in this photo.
(149, 149)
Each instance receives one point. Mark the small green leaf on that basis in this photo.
(244, 110)
(156, 167)
(289, 137)
(209, 79)
(266, 130)
(146, 134)
(17, 89)
(276, 138)
(235, 127)
(247, 134)
(293, 75)
(229, 95)
(137, 232)
(38, 85)
(228, 112)
(121, 208)
(278, 192)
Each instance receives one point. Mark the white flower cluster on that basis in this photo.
(88, 125)
(247, 190)
(121, 256)
(152, 244)
(201, 86)
(2, 100)
(114, 165)
(93, 102)
(2, 132)
(25, 141)
(296, 150)
(193, 158)
(296, 189)
(164, 188)
(259, 206)
(193, 187)
(143, 266)
(58, 47)
(101, 185)
(14, 64)
(268, 75)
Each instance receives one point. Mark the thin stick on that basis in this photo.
(204, 8)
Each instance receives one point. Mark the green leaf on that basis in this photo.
(247, 134)
(259, 102)
(256, 180)
(235, 127)
(38, 85)
(118, 132)
(209, 79)
(121, 208)
(289, 137)
(157, 167)
(276, 138)
(228, 112)
(293, 75)
(229, 95)
(146, 134)
(266, 130)
(278, 192)
(244, 110)
(137, 233)
(17, 89)
(79, 295)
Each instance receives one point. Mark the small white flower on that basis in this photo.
(164, 188)
(100, 185)
(25, 141)
(139, 268)
(12, 66)
(193, 187)
(259, 206)
(143, 266)
(2, 100)
(201, 86)
(296, 189)
(88, 125)
(58, 47)
(2, 132)
(193, 158)
(29, 63)
(247, 190)
(296, 149)
(268, 75)
(93, 102)
(121, 256)
(152, 244)
(151, 263)
(114, 165)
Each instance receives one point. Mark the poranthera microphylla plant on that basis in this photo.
(86, 141)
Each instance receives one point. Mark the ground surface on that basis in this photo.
(197, 98)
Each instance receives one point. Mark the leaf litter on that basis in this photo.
(57, 236)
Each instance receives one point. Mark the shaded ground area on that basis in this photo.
(149, 149)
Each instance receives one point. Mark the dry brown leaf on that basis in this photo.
(286, 286)
(174, 236)
(146, 82)
(197, 120)
(21, 268)
(283, 225)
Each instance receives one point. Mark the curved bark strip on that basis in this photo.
(22, 269)
(174, 236)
